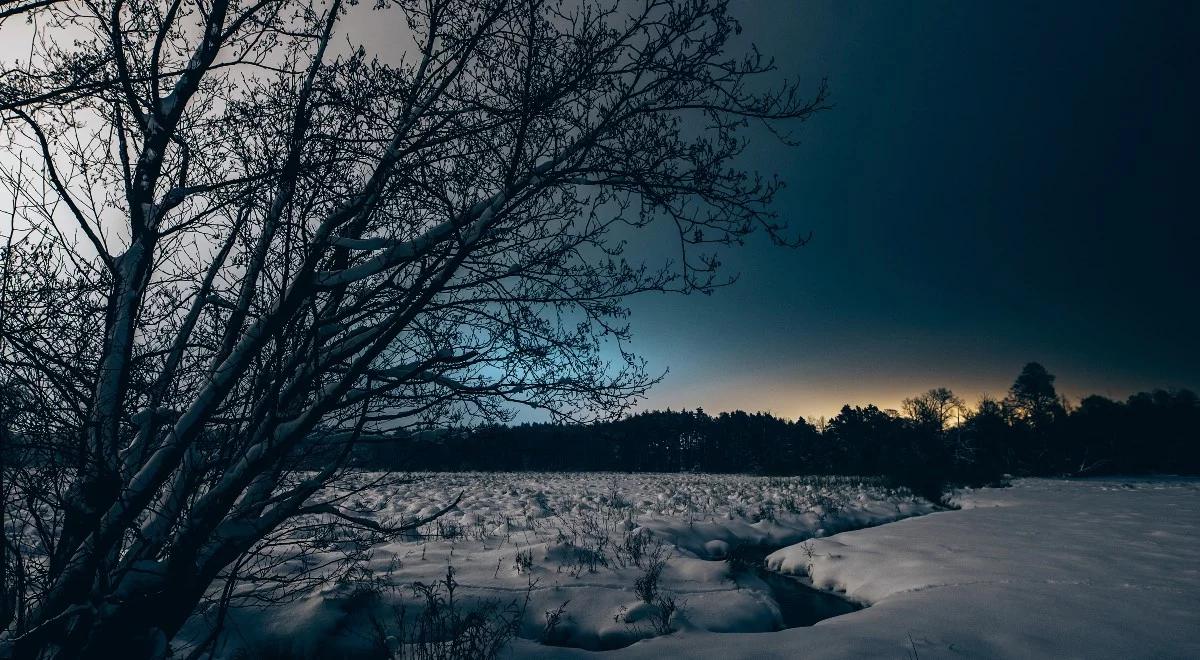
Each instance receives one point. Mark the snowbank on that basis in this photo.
(1045, 569)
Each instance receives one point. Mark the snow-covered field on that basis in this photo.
(1046, 568)
(522, 545)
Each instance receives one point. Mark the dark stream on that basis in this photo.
(800, 604)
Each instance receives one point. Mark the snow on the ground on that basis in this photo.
(1045, 569)
(536, 542)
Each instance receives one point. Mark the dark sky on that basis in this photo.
(999, 182)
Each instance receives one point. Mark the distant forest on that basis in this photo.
(933, 440)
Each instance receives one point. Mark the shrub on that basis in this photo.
(663, 614)
(445, 629)
(646, 584)
(523, 563)
(550, 633)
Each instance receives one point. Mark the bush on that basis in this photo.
(646, 584)
(664, 612)
(444, 629)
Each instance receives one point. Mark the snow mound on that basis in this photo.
(1044, 569)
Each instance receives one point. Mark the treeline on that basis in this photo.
(933, 440)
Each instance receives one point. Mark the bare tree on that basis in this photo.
(252, 242)
(933, 409)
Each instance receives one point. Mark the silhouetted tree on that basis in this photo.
(1032, 397)
(1095, 435)
(933, 409)
(1151, 432)
(985, 444)
(1034, 408)
(289, 247)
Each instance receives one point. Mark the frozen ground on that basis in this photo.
(524, 544)
(1047, 568)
